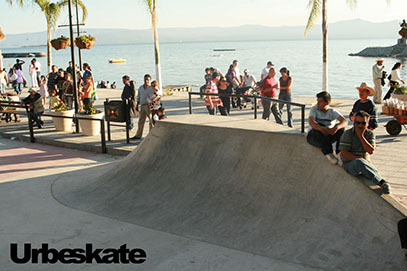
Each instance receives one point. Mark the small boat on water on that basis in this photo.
(117, 60)
(224, 50)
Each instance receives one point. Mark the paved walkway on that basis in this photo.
(389, 157)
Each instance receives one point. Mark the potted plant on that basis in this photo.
(90, 127)
(62, 124)
(85, 42)
(61, 43)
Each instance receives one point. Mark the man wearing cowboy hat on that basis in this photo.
(365, 104)
(377, 70)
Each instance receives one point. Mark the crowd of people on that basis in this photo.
(221, 86)
(57, 87)
(327, 125)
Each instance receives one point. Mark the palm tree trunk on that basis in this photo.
(156, 48)
(324, 47)
(49, 57)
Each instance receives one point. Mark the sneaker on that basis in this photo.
(384, 186)
(331, 158)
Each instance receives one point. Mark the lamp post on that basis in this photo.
(75, 87)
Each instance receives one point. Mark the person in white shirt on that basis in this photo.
(249, 81)
(394, 80)
(33, 74)
(377, 72)
(238, 75)
(38, 70)
(265, 71)
(3, 80)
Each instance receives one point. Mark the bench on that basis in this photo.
(7, 108)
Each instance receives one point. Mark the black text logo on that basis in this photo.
(46, 255)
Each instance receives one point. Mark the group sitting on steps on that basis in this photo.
(353, 146)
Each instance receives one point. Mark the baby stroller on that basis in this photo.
(254, 92)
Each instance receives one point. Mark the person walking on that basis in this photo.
(395, 79)
(269, 89)
(20, 79)
(377, 71)
(38, 68)
(144, 95)
(129, 96)
(285, 94)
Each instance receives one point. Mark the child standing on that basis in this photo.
(53, 99)
(43, 89)
(155, 104)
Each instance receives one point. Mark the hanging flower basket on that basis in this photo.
(2, 36)
(85, 42)
(61, 43)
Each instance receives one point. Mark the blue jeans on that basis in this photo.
(266, 111)
(286, 97)
(362, 167)
(17, 87)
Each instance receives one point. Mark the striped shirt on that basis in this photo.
(351, 143)
(212, 90)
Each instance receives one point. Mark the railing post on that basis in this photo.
(190, 102)
(255, 107)
(102, 133)
(109, 138)
(303, 119)
(127, 112)
(30, 127)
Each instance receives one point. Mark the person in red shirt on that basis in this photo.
(269, 89)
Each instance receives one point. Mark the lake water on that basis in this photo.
(184, 63)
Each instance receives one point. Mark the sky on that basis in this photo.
(133, 14)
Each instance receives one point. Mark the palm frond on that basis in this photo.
(315, 6)
(82, 7)
(150, 5)
(84, 10)
(53, 13)
(19, 2)
(353, 3)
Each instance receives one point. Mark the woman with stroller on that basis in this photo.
(395, 79)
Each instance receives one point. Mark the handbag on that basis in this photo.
(13, 77)
(132, 108)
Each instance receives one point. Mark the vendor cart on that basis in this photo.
(393, 127)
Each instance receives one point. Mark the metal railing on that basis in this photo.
(75, 119)
(256, 98)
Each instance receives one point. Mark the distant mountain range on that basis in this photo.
(351, 29)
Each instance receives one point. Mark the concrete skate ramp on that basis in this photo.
(260, 192)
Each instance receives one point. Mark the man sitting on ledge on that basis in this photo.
(325, 131)
(356, 145)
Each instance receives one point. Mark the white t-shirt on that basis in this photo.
(237, 72)
(3, 76)
(395, 76)
(327, 119)
(38, 66)
(249, 81)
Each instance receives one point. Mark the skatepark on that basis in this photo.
(212, 193)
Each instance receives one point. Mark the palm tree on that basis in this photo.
(316, 7)
(152, 8)
(52, 11)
